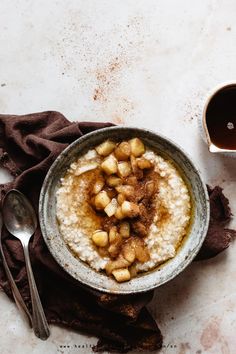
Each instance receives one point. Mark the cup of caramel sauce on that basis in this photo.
(219, 119)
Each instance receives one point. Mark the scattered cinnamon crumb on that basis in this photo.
(118, 120)
(99, 95)
(107, 79)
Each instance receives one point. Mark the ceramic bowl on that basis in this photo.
(148, 280)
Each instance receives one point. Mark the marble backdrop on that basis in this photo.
(147, 63)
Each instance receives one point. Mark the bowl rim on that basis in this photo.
(116, 290)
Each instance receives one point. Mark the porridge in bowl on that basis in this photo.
(123, 209)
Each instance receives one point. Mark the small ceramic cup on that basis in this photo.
(203, 124)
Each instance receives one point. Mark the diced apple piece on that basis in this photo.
(130, 209)
(123, 150)
(128, 252)
(120, 262)
(141, 251)
(127, 191)
(85, 168)
(114, 250)
(134, 164)
(109, 165)
(101, 200)
(103, 252)
(133, 270)
(131, 181)
(98, 185)
(121, 275)
(115, 246)
(119, 214)
(124, 229)
(144, 163)
(150, 189)
(137, 147)
(105, 148)
(136, 170)
(139, 228)
(100, 238)
(110, 209)
(124, 169)
(113, 234)
(113, 181)
(120, 198)
(142, 254)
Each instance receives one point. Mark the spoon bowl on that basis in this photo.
(19, 216)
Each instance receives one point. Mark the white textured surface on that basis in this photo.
(148, 63)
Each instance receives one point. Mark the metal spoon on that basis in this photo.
(15, 292)
(20, 220)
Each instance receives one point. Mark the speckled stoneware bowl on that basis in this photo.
(145, 281)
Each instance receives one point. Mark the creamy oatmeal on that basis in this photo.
(123, 209)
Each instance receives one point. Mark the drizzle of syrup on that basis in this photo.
(221, 118)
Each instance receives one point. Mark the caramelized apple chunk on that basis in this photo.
(128, 252)
(142, 254)
(150, 188)
(114, 249)
(113, 234)
(105, 148)
(144, 163)
(119, 214)
(111, 208)
(100, 238)
(123, 151)
(139, 228)
(130, 209)
(124, 229)
(133, 270)
(121, 275)
(137, 147)
(101, 200)
(131, 181)
(120, 262)
(103, 251)
(113, 181)
(136, 170)
(120, 198)
(98, 185)
(127, 191)
(141, 251)
(109, 165)
(124, 169)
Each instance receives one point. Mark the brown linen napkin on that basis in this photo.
(28, 146)
(218, 237)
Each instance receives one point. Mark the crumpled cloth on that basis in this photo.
(28, 146)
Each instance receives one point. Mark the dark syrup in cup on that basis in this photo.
(221, 118)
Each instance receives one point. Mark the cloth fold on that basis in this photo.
(28, 146)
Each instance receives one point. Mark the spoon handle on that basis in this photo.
(40, 325)
(15, 292)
